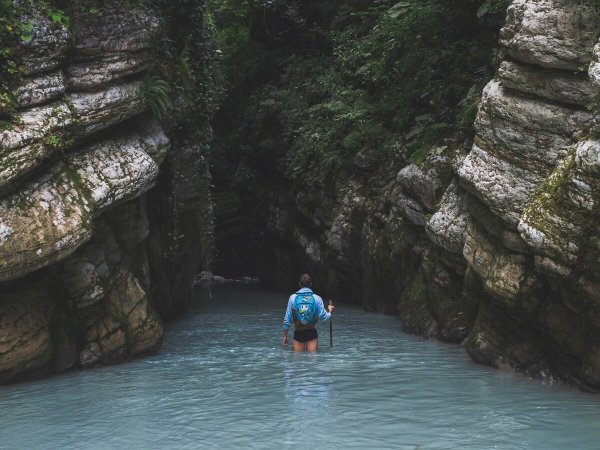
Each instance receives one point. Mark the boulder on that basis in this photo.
(39, 89)
(565, 87)
(447, 226)
(52, 216)
(49, 42)
(555, 34)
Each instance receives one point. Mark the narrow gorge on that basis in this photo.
(436, 160)
(484, 236)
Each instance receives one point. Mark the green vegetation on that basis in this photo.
(233, 32)
(186, 70)
(552, 198)
(59, 17)
(58, 142)
(413, 307)
(324, 90)
(10, 33)
(14, 31)
(186, 65)
(156, 92)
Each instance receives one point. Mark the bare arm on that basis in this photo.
(285, 338)
(287, 322)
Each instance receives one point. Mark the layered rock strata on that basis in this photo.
(536, 124)
(79, 191)
(492, 244)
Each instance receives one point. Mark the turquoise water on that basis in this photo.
(222, 380)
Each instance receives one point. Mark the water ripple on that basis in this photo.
(223, 380)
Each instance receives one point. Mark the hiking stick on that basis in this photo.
(330, 328)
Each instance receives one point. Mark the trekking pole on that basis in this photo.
(330, 328)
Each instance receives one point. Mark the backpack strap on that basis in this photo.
(297, 294)
(305, 292)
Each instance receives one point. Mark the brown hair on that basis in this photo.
(305, 280)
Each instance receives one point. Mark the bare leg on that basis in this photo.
(299, 346)
(313, 345)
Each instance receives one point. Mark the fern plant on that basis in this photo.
(157, 93)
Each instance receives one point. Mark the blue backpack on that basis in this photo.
(305, 309)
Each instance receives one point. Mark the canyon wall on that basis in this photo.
(485, 236)
(101, 209)
(491, 242)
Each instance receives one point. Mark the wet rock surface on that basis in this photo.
(77, 270)
(491, 241)
(493, 244)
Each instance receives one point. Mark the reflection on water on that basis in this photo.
(222, 380)
(308, 385)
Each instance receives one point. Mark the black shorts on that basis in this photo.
(310, 334)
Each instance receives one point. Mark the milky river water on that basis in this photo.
(222, 380)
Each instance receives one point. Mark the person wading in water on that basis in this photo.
(305, 309)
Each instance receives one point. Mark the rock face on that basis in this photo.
(543, 196)
(79, 191)
(495, 244)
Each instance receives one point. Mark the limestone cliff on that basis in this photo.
(492, 242)
(88, 222)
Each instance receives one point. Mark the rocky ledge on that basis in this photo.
(87, 178)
